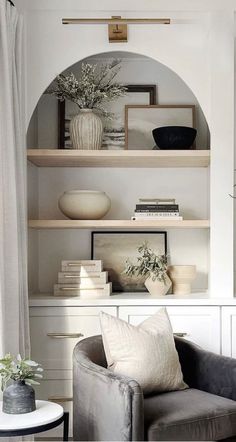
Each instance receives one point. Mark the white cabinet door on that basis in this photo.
(198, 324)
(56, 330)
(229, 331)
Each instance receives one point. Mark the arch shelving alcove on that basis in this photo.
(141, 172)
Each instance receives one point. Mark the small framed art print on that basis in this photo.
(140, 120)
(114, 248)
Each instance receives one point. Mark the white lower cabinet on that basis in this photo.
(229, 331)
(54, 333)
(198, 324)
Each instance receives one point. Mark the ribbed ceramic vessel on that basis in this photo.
(86, 130)
(182, 277)
(84, 204)
(158, 288)
(18, 398)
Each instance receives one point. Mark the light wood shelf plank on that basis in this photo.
(118, 158)
(117, 224)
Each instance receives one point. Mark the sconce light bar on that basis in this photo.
(115, 21)
(117, 26)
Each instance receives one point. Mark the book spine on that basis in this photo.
(156, 214)
(156, 218)
(156, 211)
(157, 200)
(157, 207)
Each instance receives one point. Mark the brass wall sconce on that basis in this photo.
(117, 26)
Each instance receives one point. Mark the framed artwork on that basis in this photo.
(114, 130)
(114, 248)
(141, 120)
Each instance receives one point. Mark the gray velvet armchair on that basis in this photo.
(109, 407)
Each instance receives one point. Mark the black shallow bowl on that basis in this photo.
(174, 137)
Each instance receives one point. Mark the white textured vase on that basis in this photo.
(86, 130)
(84, 204)
(182, 276)
(158, 288)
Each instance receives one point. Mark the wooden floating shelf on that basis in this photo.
(116, 224)
(118, 158)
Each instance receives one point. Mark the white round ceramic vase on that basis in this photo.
(84, 204)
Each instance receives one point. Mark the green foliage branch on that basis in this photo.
(149, 264)
(18, 369)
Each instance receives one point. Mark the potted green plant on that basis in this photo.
(153, 267)
(89, 92)
(19, 396)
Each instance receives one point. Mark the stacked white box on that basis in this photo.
(83, 278)
(88, 265)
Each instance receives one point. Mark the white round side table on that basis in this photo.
(46, 416)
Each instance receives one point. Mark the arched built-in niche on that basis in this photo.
(123, 185)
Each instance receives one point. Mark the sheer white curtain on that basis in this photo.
(14, 323)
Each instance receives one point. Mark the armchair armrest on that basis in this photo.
(207, 371)
(106, 406)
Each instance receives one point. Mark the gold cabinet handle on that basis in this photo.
(64, 335)
(60, 399)
(181, 335)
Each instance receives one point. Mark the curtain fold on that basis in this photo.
(14, 320)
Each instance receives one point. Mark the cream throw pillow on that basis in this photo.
(145, 353)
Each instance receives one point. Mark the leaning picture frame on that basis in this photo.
(114, 133)
(140, 120)
(115, 247)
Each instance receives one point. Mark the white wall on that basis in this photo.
(198, 46)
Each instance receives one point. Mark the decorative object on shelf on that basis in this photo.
(153, 267)
(93, 290)
(82, 266)
(114, 130)
(113, 248)
(141, 120)
(19, 397)
(182, 276)
(84, 204)
(83, 278)
(89, 92)
(174, 137)
(86, 130)
(156, 209)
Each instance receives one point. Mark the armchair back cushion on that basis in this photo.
(145, 353)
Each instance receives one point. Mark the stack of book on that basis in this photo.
(83, 278)
(156, 209)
